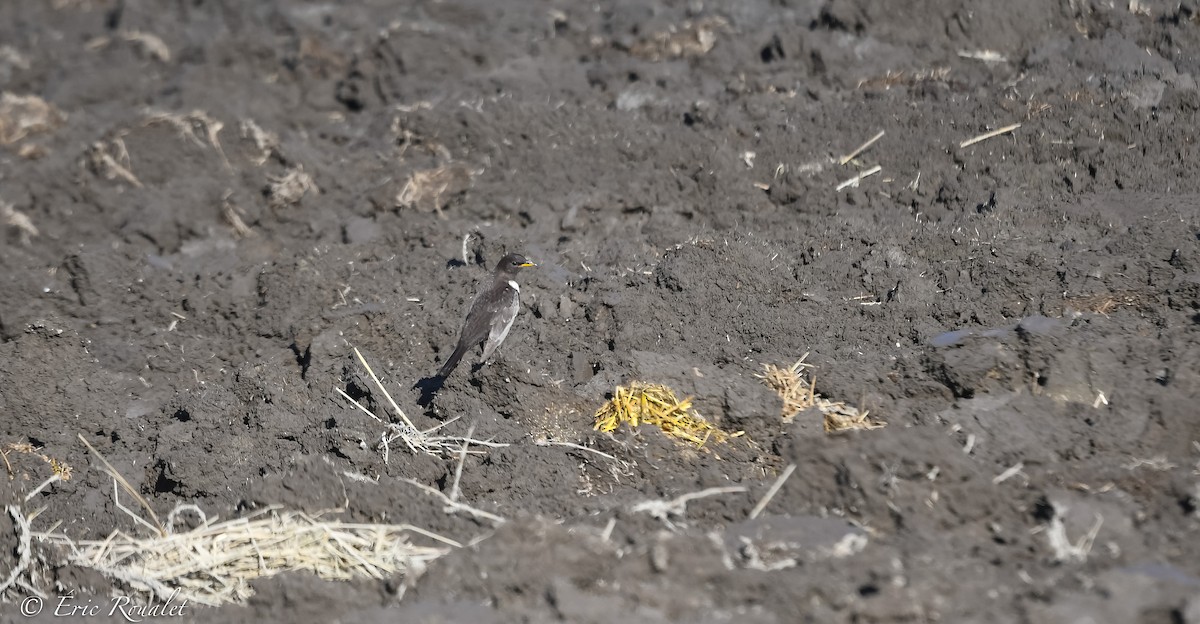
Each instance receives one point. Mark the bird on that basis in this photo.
(491, 314)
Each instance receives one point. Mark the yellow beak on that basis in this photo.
(527, 264)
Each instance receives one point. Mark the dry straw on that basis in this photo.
(688, 40)
(25, 115)
(427, 189)
(800, 393)
(424, 441)
(861, 148)
(59, 468)
(657, 405)
(214, 563)
(989, 135)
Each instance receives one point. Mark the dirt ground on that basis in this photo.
(210, 204)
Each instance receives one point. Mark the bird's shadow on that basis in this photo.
(429, 386)
(475, 259)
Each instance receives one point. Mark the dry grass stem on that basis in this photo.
(386, 394)
(1062, 547)
(54, 478)
(861, 148)
(466, 239)
(232, 215)
(987, 56)
(417, 441)
(18, 221)
(1158, 463)
(129, 489)
(1009, 473)
(196, 126)
(110, 160)
(462, 459)
(800, 393)
(402, 432)
(544, 442)
(606, 534)
(853, 182)
(905, 78)
(23, 115)
(455, 506)
(265, 142)
(988, 135)
(775, 487)
(151, 44)
(677, 507)
(24, 551)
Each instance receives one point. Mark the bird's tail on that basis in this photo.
(453, 361)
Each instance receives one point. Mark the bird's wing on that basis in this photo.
(477, 326)
(502, 321)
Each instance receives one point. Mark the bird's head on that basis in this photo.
(513, 263)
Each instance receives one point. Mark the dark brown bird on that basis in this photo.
(492, 313)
